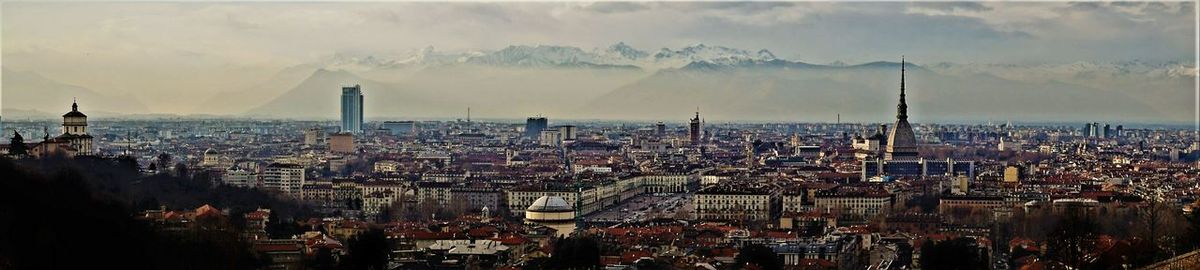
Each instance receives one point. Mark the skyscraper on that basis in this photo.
(352, 109)
(902, 143)
(534, 126)
(694, 130)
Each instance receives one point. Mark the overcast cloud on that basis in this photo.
(218, 46)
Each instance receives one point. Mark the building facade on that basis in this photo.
(284, 178)
(352, 109)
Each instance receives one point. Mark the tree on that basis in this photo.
(756, 256)
(1067, 239)
(278, 228)
(128, 163)
(324, 259)
(575, 252)
(958, 253)
(16, 146)
(1190, 239)
(42, 237)
(367, 251)
(164, 161)
(181, 170)
(1151, 219)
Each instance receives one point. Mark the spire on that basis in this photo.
(74, 105)
(902, 109)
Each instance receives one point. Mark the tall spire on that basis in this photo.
(74, 105)
(902, 109)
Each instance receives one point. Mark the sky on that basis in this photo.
(170, 53)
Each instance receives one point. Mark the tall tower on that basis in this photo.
(352, 109)
(694, 129)
(902, 143)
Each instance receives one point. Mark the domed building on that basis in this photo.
(75, 130)
(73, 141)
(553, 212)
(212, 158)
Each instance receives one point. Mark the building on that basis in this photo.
(352, 109)
(946, 204)
(902, 142)
(320, 193)
(866, 204)
(660, 129)
(1012, 174)
(75, 131)
(567, 132)
(694, 130)
(534, 127)
(342, 142)
(400, 128)
(283, 177)
(313, 136)
(386, 166)
(553, 212)
(871, 146)
(240, 177)
(917, 167)
(212, 158)
(736, 203)
(960, 185)
(550, 137)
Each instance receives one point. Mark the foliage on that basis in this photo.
(575, 252)
(367, 250)
(69, 220)
(958, 253)
(756, 256)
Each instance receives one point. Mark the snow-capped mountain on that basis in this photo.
(619, 55)
(1079, 70)
(705, 54)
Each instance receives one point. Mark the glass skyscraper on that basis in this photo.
(352, 109)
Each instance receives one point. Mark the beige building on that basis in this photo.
(735, 203)
(553, 212)
(1012, 174)
(341, 143)
(866, 204)
(285, 178)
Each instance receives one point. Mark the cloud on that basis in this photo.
(952, 6)
(114, 45)
(615, 7)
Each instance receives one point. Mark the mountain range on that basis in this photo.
(623, 82)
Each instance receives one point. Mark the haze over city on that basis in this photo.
(804, 61)
(599, 135)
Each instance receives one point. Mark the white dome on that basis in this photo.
(550, 204)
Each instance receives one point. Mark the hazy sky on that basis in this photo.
(220, 46)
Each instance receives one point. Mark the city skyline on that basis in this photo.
(599, 135)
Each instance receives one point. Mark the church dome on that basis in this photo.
(550, 204)
(74, 111)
